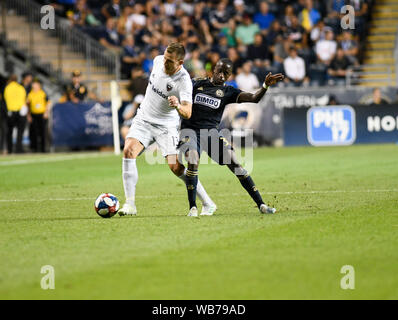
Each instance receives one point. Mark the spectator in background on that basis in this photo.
(125, 23)
(296, 33)
(138, 82)
(246, 80)
(222, 46)
(137, 19)
(258, 52)
(264, 18)
(230, 31)
(37, 116)
(15, 98)
(111, 10)
(287, 18)
(27, 79)
(76, 91)
(231, 81)
(130, 57)
(273, 33)
(79, 14)
(326, 49)
(188, 7)
(281, 52)
(338, 68)
(170, 8)
(334, 12)
(219, 18)
(377, 98)
(319, 31)
(309, 16)
(350, 47)
(237, 61)
(239, 10)
(294, 69)
(333, 101)
(147, 65)
(129, 113)
(110, 38)
(195, 66)
(246, 31)
(361, 8)
(212, 59)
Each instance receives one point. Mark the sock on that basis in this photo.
(191, 182)
(247, 182)
(200, 190)
(130, 178)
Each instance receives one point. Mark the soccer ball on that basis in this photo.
(106, 205)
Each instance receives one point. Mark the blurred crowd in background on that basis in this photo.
(303, 38)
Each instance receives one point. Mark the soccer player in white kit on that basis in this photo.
(168, 96)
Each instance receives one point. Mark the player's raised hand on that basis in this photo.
(271, 79)
(173, 101)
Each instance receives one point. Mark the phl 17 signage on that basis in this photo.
(331, 126)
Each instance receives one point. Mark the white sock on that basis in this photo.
(200, 190)
(130, 178)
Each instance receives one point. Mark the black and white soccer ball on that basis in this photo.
(106, 205)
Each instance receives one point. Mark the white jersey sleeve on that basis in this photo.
(186, 89)
(155, 107)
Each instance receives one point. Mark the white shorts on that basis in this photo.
(147, 132)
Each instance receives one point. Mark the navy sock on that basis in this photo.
(248, 183)
(191, 182)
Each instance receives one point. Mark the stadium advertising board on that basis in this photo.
(340, 125)
(331, 125)
(81, 125)
(278, 99)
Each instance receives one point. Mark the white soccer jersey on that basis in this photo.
(155, 107)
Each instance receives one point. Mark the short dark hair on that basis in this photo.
(26, 74)
(178, 49)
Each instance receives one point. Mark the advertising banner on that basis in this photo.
(340, 125)
(269, 110)
(82, 125)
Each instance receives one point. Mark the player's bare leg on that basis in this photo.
(185, 175)
(131, 151)
(248, 183)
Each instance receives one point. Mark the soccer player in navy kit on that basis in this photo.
(210, 96)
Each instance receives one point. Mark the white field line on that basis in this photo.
(54, 158)
(229, 194)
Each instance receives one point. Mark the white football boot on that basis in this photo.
(265, 209)
(193, 212)
(127, 210)
(208, 209)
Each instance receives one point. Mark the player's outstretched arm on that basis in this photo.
(270, 80)
(184, 108)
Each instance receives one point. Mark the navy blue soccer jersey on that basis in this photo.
(208, 104)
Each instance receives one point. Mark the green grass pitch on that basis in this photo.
(336, 207)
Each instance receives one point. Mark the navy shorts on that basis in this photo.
(209, 140)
